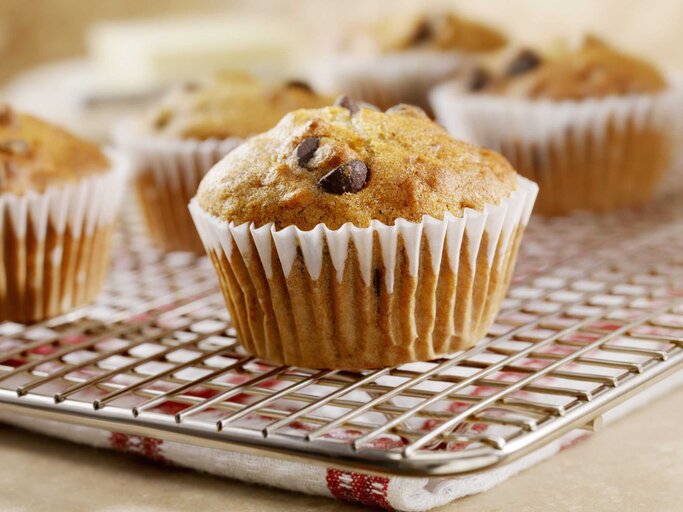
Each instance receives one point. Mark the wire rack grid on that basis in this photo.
(594, 315)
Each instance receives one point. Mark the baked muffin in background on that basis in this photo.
(59, 196)
(190, 129)
(346, 237)
(398, 59)
(228, 105)
(595, 128)
(437, 31)
(594, 70)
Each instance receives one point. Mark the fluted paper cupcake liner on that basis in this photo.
(166, 174)
(390, 79)
(367, 297)
(55, 245)
(594, 154)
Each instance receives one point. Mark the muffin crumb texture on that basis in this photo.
(35, 155)
(435, 31)
(594, 70)
(344, 164)
(228, 105)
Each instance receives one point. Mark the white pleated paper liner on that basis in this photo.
(56, 244)
(388, 79)
(252, 253)
(591, 154)
(166, 174)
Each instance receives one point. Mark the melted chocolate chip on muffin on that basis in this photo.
(35, 155)
(525, 61)
(334, 166)
(300, 84)
(441, 31)
(228, 105)
(479, 79)
(349, 177)
(594, 70)
(348, 103)
(306, 149)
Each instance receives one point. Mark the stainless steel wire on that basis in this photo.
(594, 315)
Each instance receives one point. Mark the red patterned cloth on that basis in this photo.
(388, 493)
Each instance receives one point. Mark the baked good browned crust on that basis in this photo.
(228, 105)
(437, 31)
(35, 155)
(593, 70)
(336, 165)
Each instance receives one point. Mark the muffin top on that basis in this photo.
(228, 105)
(344, 164)
(594, 70)
(427, 31)
(35, 155)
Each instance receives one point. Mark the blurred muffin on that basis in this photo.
(442, 32)
(195, 125)
(400, 58)
(58, 201)
(594, 70)
(350, 238)
(594, 127)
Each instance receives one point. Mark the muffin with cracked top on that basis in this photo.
(593, 126)
(398, 59)
(59, 195)
(346, 237)
(178, 140)
(35, 155)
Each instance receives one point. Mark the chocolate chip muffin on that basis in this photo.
(593, 126)
(195, 125)
(346, 237)
(228, 105)
(58, 200)
(436, 31)
(594, 70)
(401, 57)
(35, 155)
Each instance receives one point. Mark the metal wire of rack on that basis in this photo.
(595, 314)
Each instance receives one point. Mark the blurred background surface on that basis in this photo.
(37, 31)
(63, 57)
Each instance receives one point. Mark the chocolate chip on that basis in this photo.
(299, 84)
(423, 32)
(15, 147)
(347, 103)
(190, 86)
(479, 79)
(525, 61)
(162, 119)
(407, 110)
(348, 177)
(5, 114)
(306, 149)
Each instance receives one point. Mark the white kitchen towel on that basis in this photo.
(391, 493)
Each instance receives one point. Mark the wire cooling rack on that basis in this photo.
(595, 314)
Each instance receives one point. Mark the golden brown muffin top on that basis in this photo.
(428, 31)
(594, 70)
(228, 105)
(348, 164)
(35, 155)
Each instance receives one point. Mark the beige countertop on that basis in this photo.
(635, 464)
